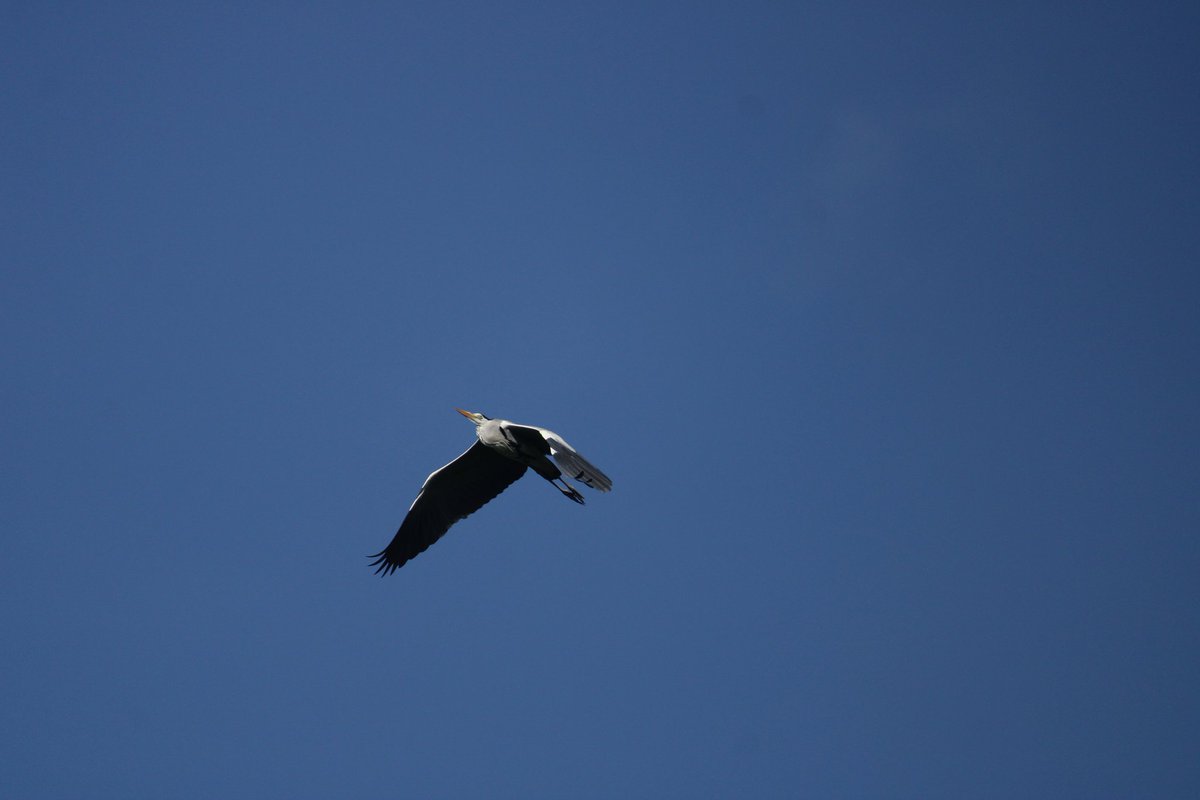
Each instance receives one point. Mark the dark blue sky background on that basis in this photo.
(882, 317)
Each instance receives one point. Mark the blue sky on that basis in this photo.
(882, 318)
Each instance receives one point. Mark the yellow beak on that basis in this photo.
(466, 414)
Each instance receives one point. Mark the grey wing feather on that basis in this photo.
(451, 493)
(573, 465)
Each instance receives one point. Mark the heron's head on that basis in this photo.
(475, 417)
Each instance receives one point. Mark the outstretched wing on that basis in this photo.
(455, 491)
(573, 465)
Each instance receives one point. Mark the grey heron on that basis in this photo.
(501, 455)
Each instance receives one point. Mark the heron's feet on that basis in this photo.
(571, 492)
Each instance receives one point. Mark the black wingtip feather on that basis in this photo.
(383, 564)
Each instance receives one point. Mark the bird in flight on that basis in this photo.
(502, 454)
